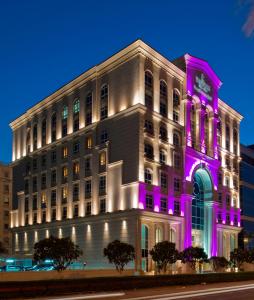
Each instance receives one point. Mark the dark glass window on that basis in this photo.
(149, 202)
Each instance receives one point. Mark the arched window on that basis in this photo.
(64, 120)
(163, 98)
(43, 132)
(148, 176)
(148, 151)
(172, 235)
(176, 139)
(227, 137)
(176, 105)
(144, 247)
(163, 156)
(104, 102)
(88, 109)
(148, 90)
(35, 134)
(53, 127)
(158, 235)
(76, 108)
(163, 133)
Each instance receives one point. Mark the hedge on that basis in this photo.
(102, 284)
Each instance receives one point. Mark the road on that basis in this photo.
(221, 291)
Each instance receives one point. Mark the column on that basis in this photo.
(210, 230)
(186, 210)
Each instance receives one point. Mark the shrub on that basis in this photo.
(119, 254)
(164, 254)
(218, 262)
(192, 255)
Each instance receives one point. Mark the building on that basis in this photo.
(5, 204)
(137, 148)
(246, 238)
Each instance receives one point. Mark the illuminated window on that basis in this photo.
(102, 158)
(64, 152)
(89, 142)
(76, 106)
(104, 102)
(43, 200)
(148, 90)
(65, 112)
(76, 115)
(76, 169)
(148, 176)
(64, 194)
(64, 174)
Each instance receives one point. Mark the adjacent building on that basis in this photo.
(138, 148)
(5, 204)
(246, 238)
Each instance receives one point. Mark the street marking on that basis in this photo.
(95, 296)
(182, 295)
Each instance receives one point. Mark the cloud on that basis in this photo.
(248, 27)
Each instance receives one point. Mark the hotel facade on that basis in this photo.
(138, 148)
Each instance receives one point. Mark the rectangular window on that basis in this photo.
(175, 116)
(88, 166)
(149, 202)
(163, 205)
(53, 156)
(164, 181)
(26, 204)
(34, 164)
(76, 169)
(64, 152)
(104, 137)
(64, 213)
(34, 202)
(53, 214)
(177, 207)
(64, 174)
(34, 184)
(88, 188)
(53, 198)
(176, 184)
(76, 147)
(53, 178)
(64, 194)
(102, 185)
(102, 206)
(75, 192)
(89, 142)
(43, 160)
(177, 161)
(88, 208)
(26, 186)
(75, 211)
(34, 218)
(43, 218)
(43, 181)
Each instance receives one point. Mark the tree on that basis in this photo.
(219, 262)
(61, 251)
(238, 257)
(164, 254)
(192, 255)
(119, 254)
(3, 250)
